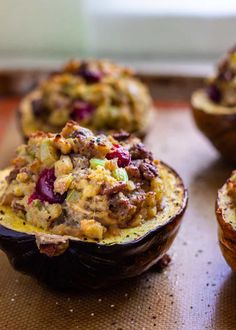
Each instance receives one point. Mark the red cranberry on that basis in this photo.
(81, 110)
(91, 76)
(45, 188)
(122, 155)
(214, 93)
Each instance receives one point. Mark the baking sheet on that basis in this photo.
(196, 291)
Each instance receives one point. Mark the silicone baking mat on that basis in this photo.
(196, 291)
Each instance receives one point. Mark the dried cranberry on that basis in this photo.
(45, 188)
(214, 93)
(91, 76)
(81, 110)
(121, 154)
(37, 107)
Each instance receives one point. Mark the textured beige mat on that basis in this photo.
(197, 290)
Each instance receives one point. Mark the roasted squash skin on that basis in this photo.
(65, 262)
(219, 128)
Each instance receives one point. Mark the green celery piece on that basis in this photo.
(95, 162)
(47, 153)
(120, 174)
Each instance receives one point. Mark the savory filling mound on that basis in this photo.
(97, 94)
(84, 185)
(221, 89)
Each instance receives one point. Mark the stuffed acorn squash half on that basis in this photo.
(98, 94)
(84, 210)
(226, 216)
(214, 108)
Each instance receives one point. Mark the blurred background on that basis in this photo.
(155, 36)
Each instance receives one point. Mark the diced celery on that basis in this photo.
(72, 196)
(47, 153)
(95, 162)
(120, 174)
